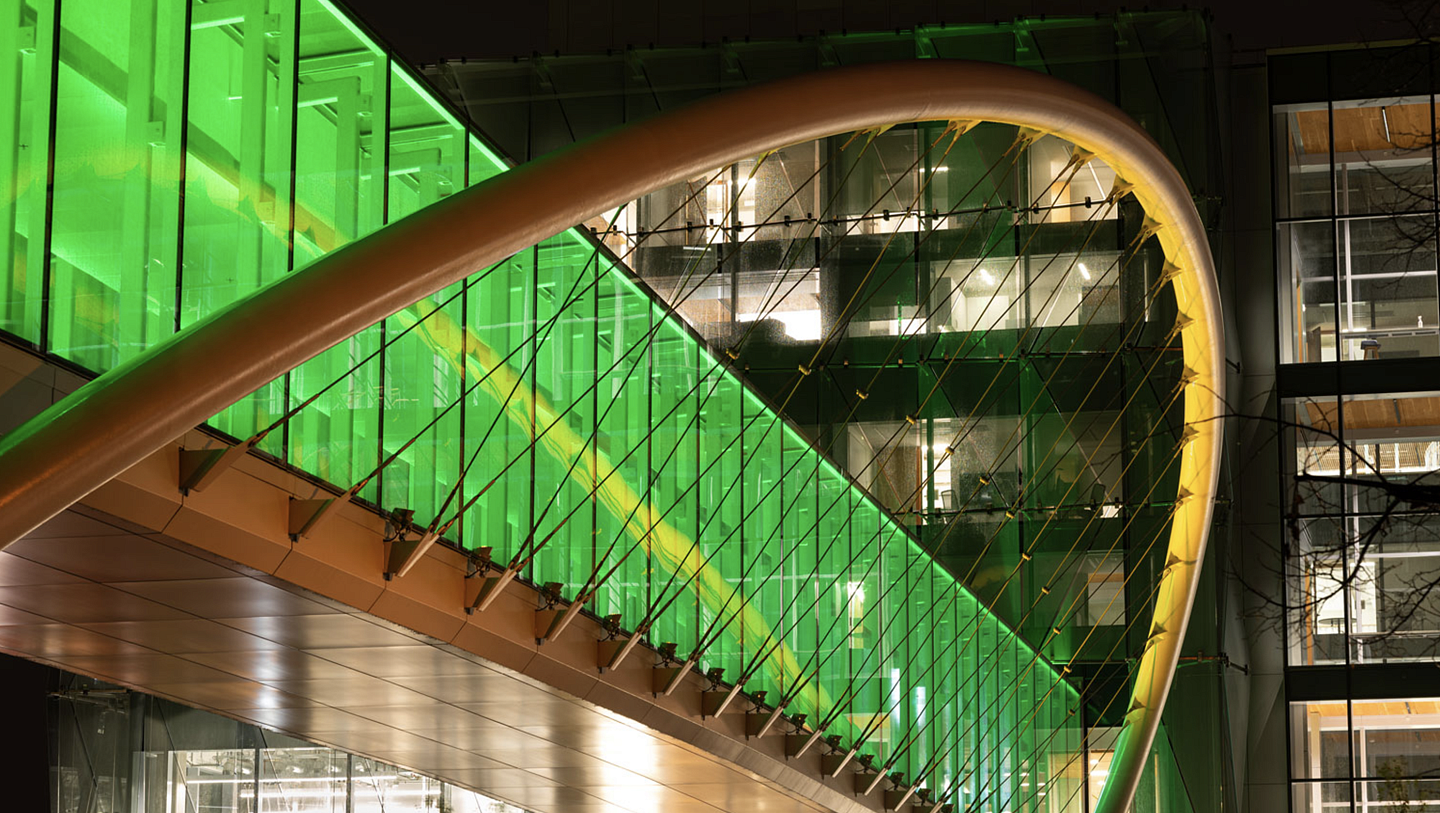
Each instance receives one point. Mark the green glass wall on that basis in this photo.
(27, 65)
(549, 408)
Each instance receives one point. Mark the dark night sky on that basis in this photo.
(430, 30)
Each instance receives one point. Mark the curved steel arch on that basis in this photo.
(115, 421)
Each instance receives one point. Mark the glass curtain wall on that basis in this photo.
(549, 408)
(1353, 136)
(1374, 754)
(1025, 424)
(1363, 558)
(1356, 209)
(124, 752)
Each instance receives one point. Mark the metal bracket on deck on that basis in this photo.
(796, 741)
(914, 790)
(879, 777)
(625, 648)
(833, 762)
(476, 580)
(721, 700)
(714, 700)
(843, 760)
(546, 617)
(810, 740)
(668, 674)
(583, 598)
(763, 726)
(608, 647)
(200, 467)
(306, 514)
(402, 553)
(680, 673)
(481, 593)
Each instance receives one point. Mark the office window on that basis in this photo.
(1363, 559)
(1365, 755)
(1355, 231)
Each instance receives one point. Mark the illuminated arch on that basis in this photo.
(123, 416)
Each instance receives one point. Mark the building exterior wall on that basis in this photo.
(1354, 230)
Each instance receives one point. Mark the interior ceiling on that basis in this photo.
(1363, 129)
(1376, 413)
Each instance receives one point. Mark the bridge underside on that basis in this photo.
(205, 600)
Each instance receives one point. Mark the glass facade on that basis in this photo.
(1356, 211)
(1353, 137)
(1361, 556)
(989, 355)
(1026, 421)
(123, 752)
(553, 409)
(1377, 754)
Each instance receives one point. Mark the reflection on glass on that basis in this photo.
(1388, 305)
(114, 252)
(1100, 747)
(1363, 562)
(1321, 797)
(1382, 155)
(222, 781)
(26, 58)
(1319, 742)
(1302, 148)
(311, 779)
(1397, 738)
(1074, 195)
(1361, 286)
(381, 788)
(1391, 746)
(1306, 271)
(308, 780)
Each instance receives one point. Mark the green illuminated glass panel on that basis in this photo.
(798, 571)
(339, 124)
(339, 196)
(497, 421)
(674, 398)
(424, 369)
(240, 113)
(624, 526)
(837, 598)
(484, 163)
(864, 590)
(424, 353)
(761, 542)
(883, 706)
(27, 35)
(117, 146)
(966, 736)
(988, 688)
(565, 478)
(337, 437)
(943, 700)
(720, 508)
(918, 673)
(426, 148)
